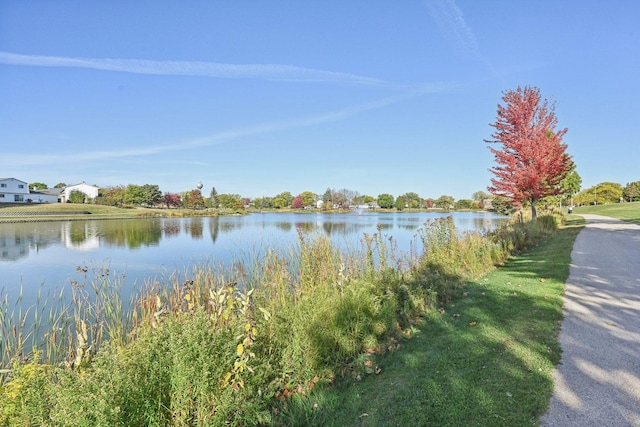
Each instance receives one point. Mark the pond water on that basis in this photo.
(51, 255)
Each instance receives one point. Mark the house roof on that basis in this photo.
(52, 191)
(81, 183)
(6, 179)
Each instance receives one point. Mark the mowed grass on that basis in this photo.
(95, 211)
(484, 359)
(626, 211)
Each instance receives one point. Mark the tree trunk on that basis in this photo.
(534, 214)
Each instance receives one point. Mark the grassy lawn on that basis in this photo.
(626, 211)
(96, 211)
(484, 359)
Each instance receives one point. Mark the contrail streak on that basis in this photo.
(276, 72)
(220, 137)
(454, 29)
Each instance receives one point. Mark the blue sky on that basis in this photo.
(260, 97)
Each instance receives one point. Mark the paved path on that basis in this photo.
(598, 380)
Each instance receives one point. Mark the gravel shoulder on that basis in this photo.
(597, 382)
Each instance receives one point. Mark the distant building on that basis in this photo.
(49, 195)
(15, 191)
(90, 191)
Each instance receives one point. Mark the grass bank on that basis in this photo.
(626, 211)
(60, 211)
(483, 359)
(298, 337)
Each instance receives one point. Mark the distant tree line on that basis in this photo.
(609, 192)
(150, 195)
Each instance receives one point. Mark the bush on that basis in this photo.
(24, 399)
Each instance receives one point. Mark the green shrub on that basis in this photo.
(24, 398)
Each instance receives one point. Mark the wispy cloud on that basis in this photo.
(453, 27)
(219, 137)
(275, 72)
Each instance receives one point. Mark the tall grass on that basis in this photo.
(451, 258)
(40, 328)
(232, 345)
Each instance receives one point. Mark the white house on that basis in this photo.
(90, 191)
(13, 191)
(49, 195)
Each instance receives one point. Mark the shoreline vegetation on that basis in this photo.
(12, 213)
(80, 211)
(311, 337)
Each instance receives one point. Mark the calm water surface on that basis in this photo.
(48, 254)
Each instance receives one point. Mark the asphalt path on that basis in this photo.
(597, 382)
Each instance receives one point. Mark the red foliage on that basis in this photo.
(297, 203)
(532, 160)
(171, 200)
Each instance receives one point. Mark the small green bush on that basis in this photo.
(24, 399)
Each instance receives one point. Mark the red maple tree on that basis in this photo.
(297, 202)
(533, 159)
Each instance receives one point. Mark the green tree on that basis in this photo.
(76, 197)
(480, 196)
(111, 196)
(38, 186)
(631, 191)
(60, 185)
(134, 195)
(603, 193)
(213, 198)
(280, 202)
(385, 200)
(412, 200)
(308, 198)
(327, 197)
(151, 195)
(466, 204)
(231, 201)
(400, 203)
(502, 205)
(445, 202)
(609, 192)
(263, 203)
(357, 199)
(286, 196)
(571, 185)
